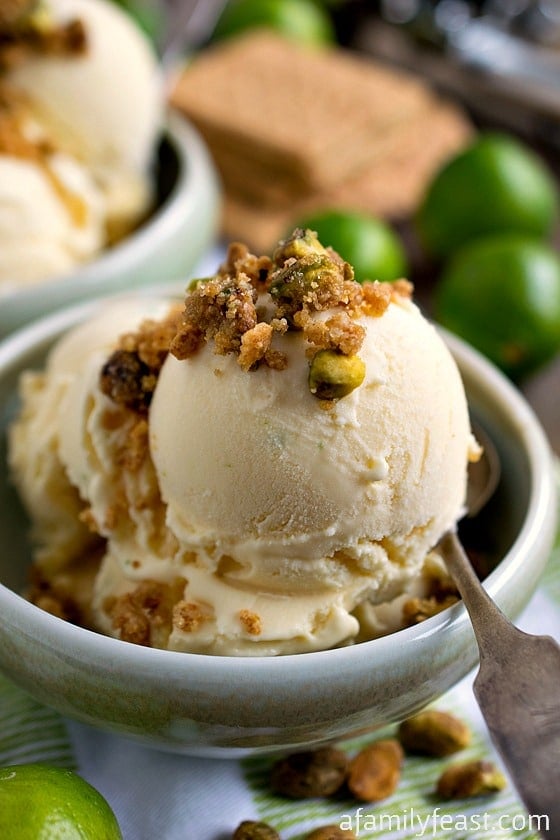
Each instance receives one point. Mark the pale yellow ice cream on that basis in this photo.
(246, 513)
(272, 491)
(51, 219)
(80, 116)
(49, 442)
(105, 106)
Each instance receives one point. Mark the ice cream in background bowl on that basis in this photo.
(237, 497)
(99, 184)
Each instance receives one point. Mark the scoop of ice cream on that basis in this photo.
(103, 448)
(105, 106)
(51, 482)
(252, 468)
(81, 111)
(52, 218)
(52, 502)
(292, 504)
(246, 508)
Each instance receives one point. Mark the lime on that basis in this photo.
(367, 243)
(495, 185)
(301, 20)
(502, 295)
(40, 802)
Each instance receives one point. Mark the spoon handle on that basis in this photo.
(518, 691)
(486, 616)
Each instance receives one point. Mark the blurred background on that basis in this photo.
(494, 67)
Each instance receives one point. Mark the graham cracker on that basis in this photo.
(389, 187)
(313, 117)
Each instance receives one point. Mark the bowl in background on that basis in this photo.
(226, 706)
(165, 248)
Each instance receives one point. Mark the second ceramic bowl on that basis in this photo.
(164, 249)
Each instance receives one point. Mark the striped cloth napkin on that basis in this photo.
(172, 797)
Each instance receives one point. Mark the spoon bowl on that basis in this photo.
(484, 474)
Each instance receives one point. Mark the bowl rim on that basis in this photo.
(538, 527)
(193, 166)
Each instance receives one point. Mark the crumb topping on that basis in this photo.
(67, 592)
(250, 300)
(301, 279)
(15, 113)
(251, 622)
(189, 616)
(26, 29)
(442, 593)
(144, 616)
(129, 376)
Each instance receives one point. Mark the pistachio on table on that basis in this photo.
(331, 832)
(470, 778)
(308, 774)
(375, 771)
(434, 732)
(253, 830)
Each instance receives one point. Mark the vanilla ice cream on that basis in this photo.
(51, 219)
(283, 470)
(82, 109)
(60, 534)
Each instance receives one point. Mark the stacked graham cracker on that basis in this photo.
(294, 130)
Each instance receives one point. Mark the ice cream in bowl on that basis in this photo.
(98, 182)
(220, 509)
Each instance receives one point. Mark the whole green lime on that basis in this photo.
(369, 244)
(494, 186)
(303, 21)
(40, 802)
(502, 295)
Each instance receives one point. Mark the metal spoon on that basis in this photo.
(518, 683)
(188, 24)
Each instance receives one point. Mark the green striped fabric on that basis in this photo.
(30, 732)
(412, 811)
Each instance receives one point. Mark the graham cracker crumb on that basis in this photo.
(189, 616)
(221, 309)
(24, 34)
(136, 451)
(443, 594)
(255, 344)
(129, 376)
(402, 288)
(129, 619)
(240, 260)
(339, 333)
(251, 621)
(301, 279)
(144, 615)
